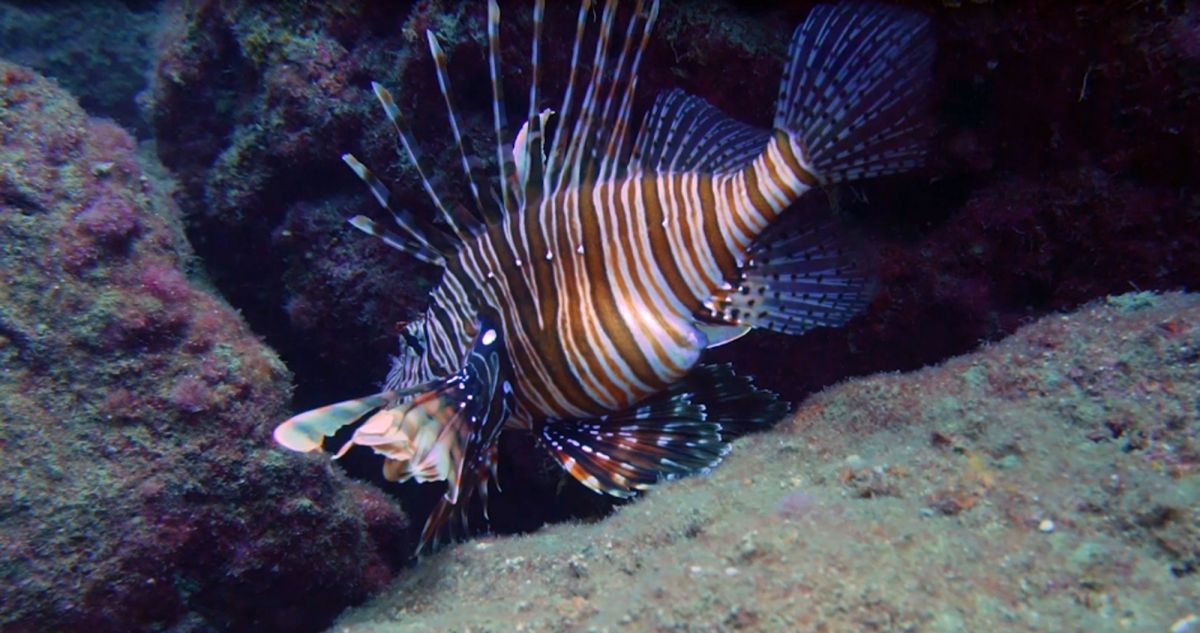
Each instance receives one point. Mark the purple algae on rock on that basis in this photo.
(142, 490)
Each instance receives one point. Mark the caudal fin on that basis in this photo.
(854, 92)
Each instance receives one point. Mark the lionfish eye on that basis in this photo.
(412, 341)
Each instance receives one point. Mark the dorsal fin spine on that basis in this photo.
(422, 244)
(620, 132)
(443, 76)
(555, 158)
(370, 227)
(531, 160)
(580, 135)
(534, 157)
(619, 74)
(499, 117)
(539, 11)
(410, 149)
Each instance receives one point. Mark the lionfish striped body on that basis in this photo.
(613, 275)
(578, 305)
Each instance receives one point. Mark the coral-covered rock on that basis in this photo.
(252, 106)
(143, 490)
(1048, 482)
(338, 288)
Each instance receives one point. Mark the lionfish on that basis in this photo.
(576, 302)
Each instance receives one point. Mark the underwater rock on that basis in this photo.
(100, 50)
(1041, 86)
(1084, 422)
(337, 293)
(252, 106)
(143, 491)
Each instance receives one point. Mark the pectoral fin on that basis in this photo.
(307, 431)
(685, 430)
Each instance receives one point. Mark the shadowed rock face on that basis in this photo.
(142, 489)
(102, 51)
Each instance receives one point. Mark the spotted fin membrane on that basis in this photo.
(683, 431)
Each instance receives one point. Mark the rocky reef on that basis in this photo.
(252, 106)
(143, 490)
(1044, 483)
(102, 51)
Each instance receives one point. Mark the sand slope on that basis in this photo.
(1046, 483)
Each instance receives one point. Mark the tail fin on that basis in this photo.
(853, 95)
